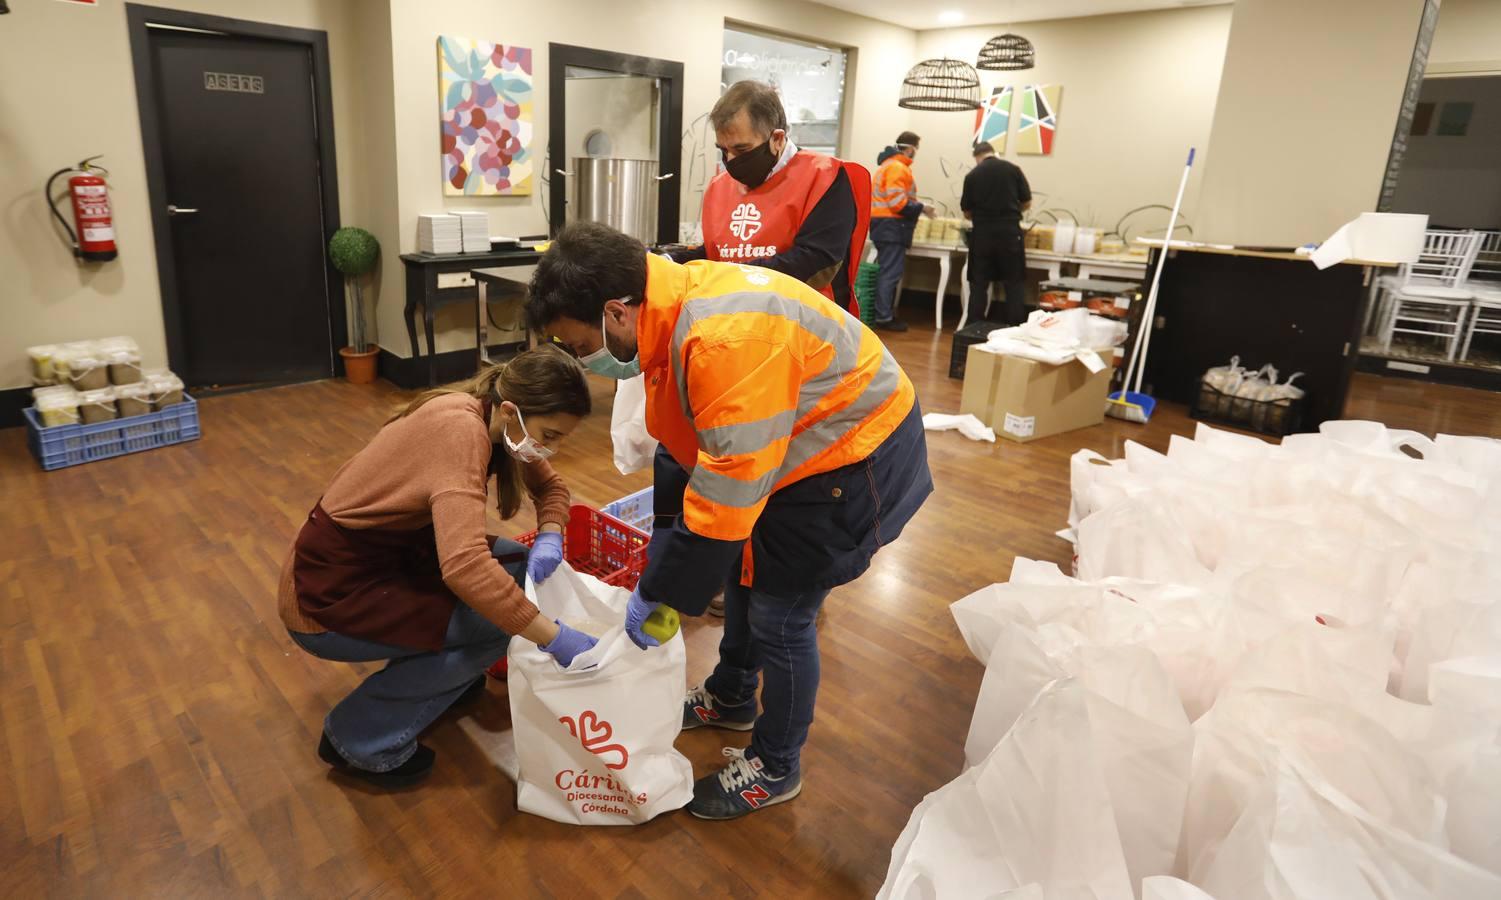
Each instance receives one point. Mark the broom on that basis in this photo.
(1130, 403)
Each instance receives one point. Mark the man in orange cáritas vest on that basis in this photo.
(775, 206)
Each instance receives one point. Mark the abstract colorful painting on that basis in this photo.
(993, 120)
(1038, 120)
(486, 94)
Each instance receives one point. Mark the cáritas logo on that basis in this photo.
(593, 732)
(745, 221)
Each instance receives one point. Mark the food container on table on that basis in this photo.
(1063, 237)
(921, 230)
(1086, 240)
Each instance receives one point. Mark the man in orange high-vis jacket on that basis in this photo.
(894, 209)
(776, 206)
(795, 450)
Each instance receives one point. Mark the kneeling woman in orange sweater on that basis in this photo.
(393, 562)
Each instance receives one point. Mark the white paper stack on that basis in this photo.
(475, 226)
(440, 233)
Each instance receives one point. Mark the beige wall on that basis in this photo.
(45, 296)
(689, 33)
(1138, 91)
(1468, 36)
(1303, 125)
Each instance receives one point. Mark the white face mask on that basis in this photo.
(603, 362)
(528, 450)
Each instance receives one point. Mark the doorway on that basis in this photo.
(613, 108)
(237, 127)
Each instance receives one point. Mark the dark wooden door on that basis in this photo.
(239, 142)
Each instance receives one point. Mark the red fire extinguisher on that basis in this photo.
(93, 232)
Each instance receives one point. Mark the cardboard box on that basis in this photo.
(1024, 400)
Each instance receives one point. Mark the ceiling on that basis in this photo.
(959, 13)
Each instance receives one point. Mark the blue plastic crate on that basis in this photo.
(71, 445)
(633, 509)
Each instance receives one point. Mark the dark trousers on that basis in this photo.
(892, 259)
(772, 639)
(996, 253)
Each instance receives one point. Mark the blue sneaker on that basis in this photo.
(700, 708)
(741, 788)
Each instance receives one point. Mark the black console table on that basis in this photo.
(435, 280)
(1264, 307)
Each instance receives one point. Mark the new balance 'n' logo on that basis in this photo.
(754, 796)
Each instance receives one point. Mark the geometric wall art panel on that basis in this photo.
(1037, 119)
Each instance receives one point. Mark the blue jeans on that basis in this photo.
(892, 258)
(774, 635)
(376, 726)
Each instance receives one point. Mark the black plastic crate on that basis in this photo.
(964, 338)
(1276, 418)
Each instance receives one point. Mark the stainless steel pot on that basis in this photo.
(621, 193)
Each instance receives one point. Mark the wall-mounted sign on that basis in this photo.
(238, 84)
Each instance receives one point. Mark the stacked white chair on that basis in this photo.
(1429, 297)
(1484, 284)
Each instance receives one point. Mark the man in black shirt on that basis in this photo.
(995, 196)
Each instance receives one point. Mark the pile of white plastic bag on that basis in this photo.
(1276, 673)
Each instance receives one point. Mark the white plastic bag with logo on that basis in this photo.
(634, 447)
(594, 741)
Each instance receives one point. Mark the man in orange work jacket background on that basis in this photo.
(894, 209)
(803, 446)
(775, 206)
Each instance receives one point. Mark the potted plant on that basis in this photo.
(354, 252)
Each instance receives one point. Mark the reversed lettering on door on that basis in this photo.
(239, 84)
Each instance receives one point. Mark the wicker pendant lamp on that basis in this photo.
(941, 85)
(1007, 53)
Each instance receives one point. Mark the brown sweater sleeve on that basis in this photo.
(458, 504)
(549, 493)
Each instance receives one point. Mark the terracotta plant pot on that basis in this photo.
(359, 368)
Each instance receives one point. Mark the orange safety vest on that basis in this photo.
(892, 188)
(746, 226)
(755, 381)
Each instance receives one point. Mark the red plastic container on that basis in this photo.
(600, 545)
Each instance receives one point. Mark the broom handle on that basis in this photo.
(1148, 319)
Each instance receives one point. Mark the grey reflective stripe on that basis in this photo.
(828, 431)
(747, 437)
(727, 491)
(842, 334)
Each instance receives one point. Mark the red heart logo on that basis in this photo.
(592, 732)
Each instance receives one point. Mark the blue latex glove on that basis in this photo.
(546, 556)
(569, 643)
(636, 612)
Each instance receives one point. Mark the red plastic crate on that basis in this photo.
(602, 546)
(599, 544)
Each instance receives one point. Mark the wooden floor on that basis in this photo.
(159, 726)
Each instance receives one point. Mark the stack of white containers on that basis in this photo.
(439, 233)
(1276, 675)
(474, 226)
(95, 381)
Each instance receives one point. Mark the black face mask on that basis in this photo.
(752, 167)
